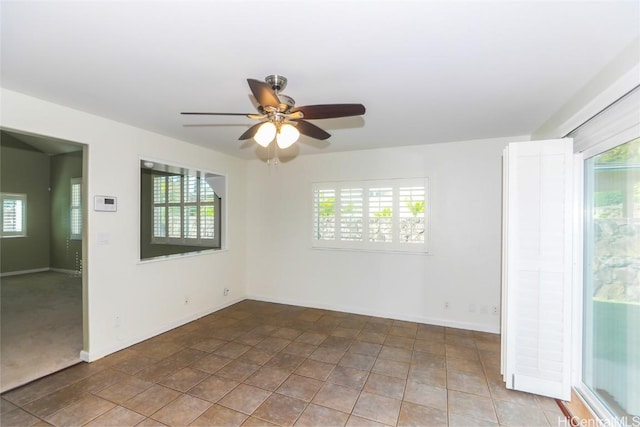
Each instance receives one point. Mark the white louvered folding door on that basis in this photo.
(537, 267)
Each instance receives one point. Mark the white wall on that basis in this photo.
(463, 266)
(148, 298)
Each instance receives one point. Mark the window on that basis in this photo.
(612, 279)
(183, 210)
(385, 215)
(180, 210)
(76, 209)
(14, 215)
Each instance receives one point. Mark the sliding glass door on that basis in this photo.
(611, 328)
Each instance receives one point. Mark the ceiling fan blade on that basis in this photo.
(330, 111)
(311, 130)
(249, 133)
(220, 114)
(265, 96)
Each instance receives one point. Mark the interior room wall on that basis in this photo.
(26, 171)
(66, 253)
(128, 300)
(463, 264)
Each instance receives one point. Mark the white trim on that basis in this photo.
(19, 272)
(93, 355)
(383, 314)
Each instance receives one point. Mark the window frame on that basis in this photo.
(73, 207)
(366, 244)
(22, 197)
(213, 243)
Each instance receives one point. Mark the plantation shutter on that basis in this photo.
(537, 263)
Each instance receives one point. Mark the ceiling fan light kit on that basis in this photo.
(281, 120)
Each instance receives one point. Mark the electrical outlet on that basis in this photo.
(446, 305)
(186, 299)
(225, 292)
(494, 310)
(116, 322)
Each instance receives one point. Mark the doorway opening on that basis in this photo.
(43, 247)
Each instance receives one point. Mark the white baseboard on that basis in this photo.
(39, 270)
(17, 273)
(387, 315)
(93, 355)
(66, 271)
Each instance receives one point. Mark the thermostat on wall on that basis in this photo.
(105, 203)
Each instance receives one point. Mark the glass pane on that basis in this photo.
(159, 189)
(12, 215)
(191, 222)
(412, 214)
(351, 214)
(174, 182)
(159, 221)
(324, 208)
(380, 216)
(174, 222)
(206, 192)
(207, 222)
(611, 367)
(190, 189)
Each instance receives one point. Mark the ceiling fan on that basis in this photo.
(280, 119)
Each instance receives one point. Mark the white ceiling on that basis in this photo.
(427, 71)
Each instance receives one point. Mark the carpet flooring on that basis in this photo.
(41, 332)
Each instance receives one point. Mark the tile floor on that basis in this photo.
(264, 364)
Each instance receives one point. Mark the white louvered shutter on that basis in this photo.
(538, 267)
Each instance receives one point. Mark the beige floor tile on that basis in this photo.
(432, 376)
(461, 352)
(373, 337)
(378, 408)
(232, 350)
(337, 397)
(468, 383)
(285, 361)
(182, 411)
(391, 368)
(268, 378)
(213, 388)
(417, 415)
(366, 348)
(184, 379)
(211, 363)
(256, 356)
(300, 387)
(237, 370)
(300, 348)
(400, 342)
(117, 417)
(430, 346)
(316, 415)
(328, 355)
(18, 417)
(463, 420)
(471, 404)
(81, 412)
(313, 338)
(219, 416)
(124, 390)
(244, 398)
(357, 361)
(280, 409)
(395, 353)
(385, 385)
(516, 414)
(152, 399)
(315, 369)
(348, 377)
(209, 345)
(426, 395)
